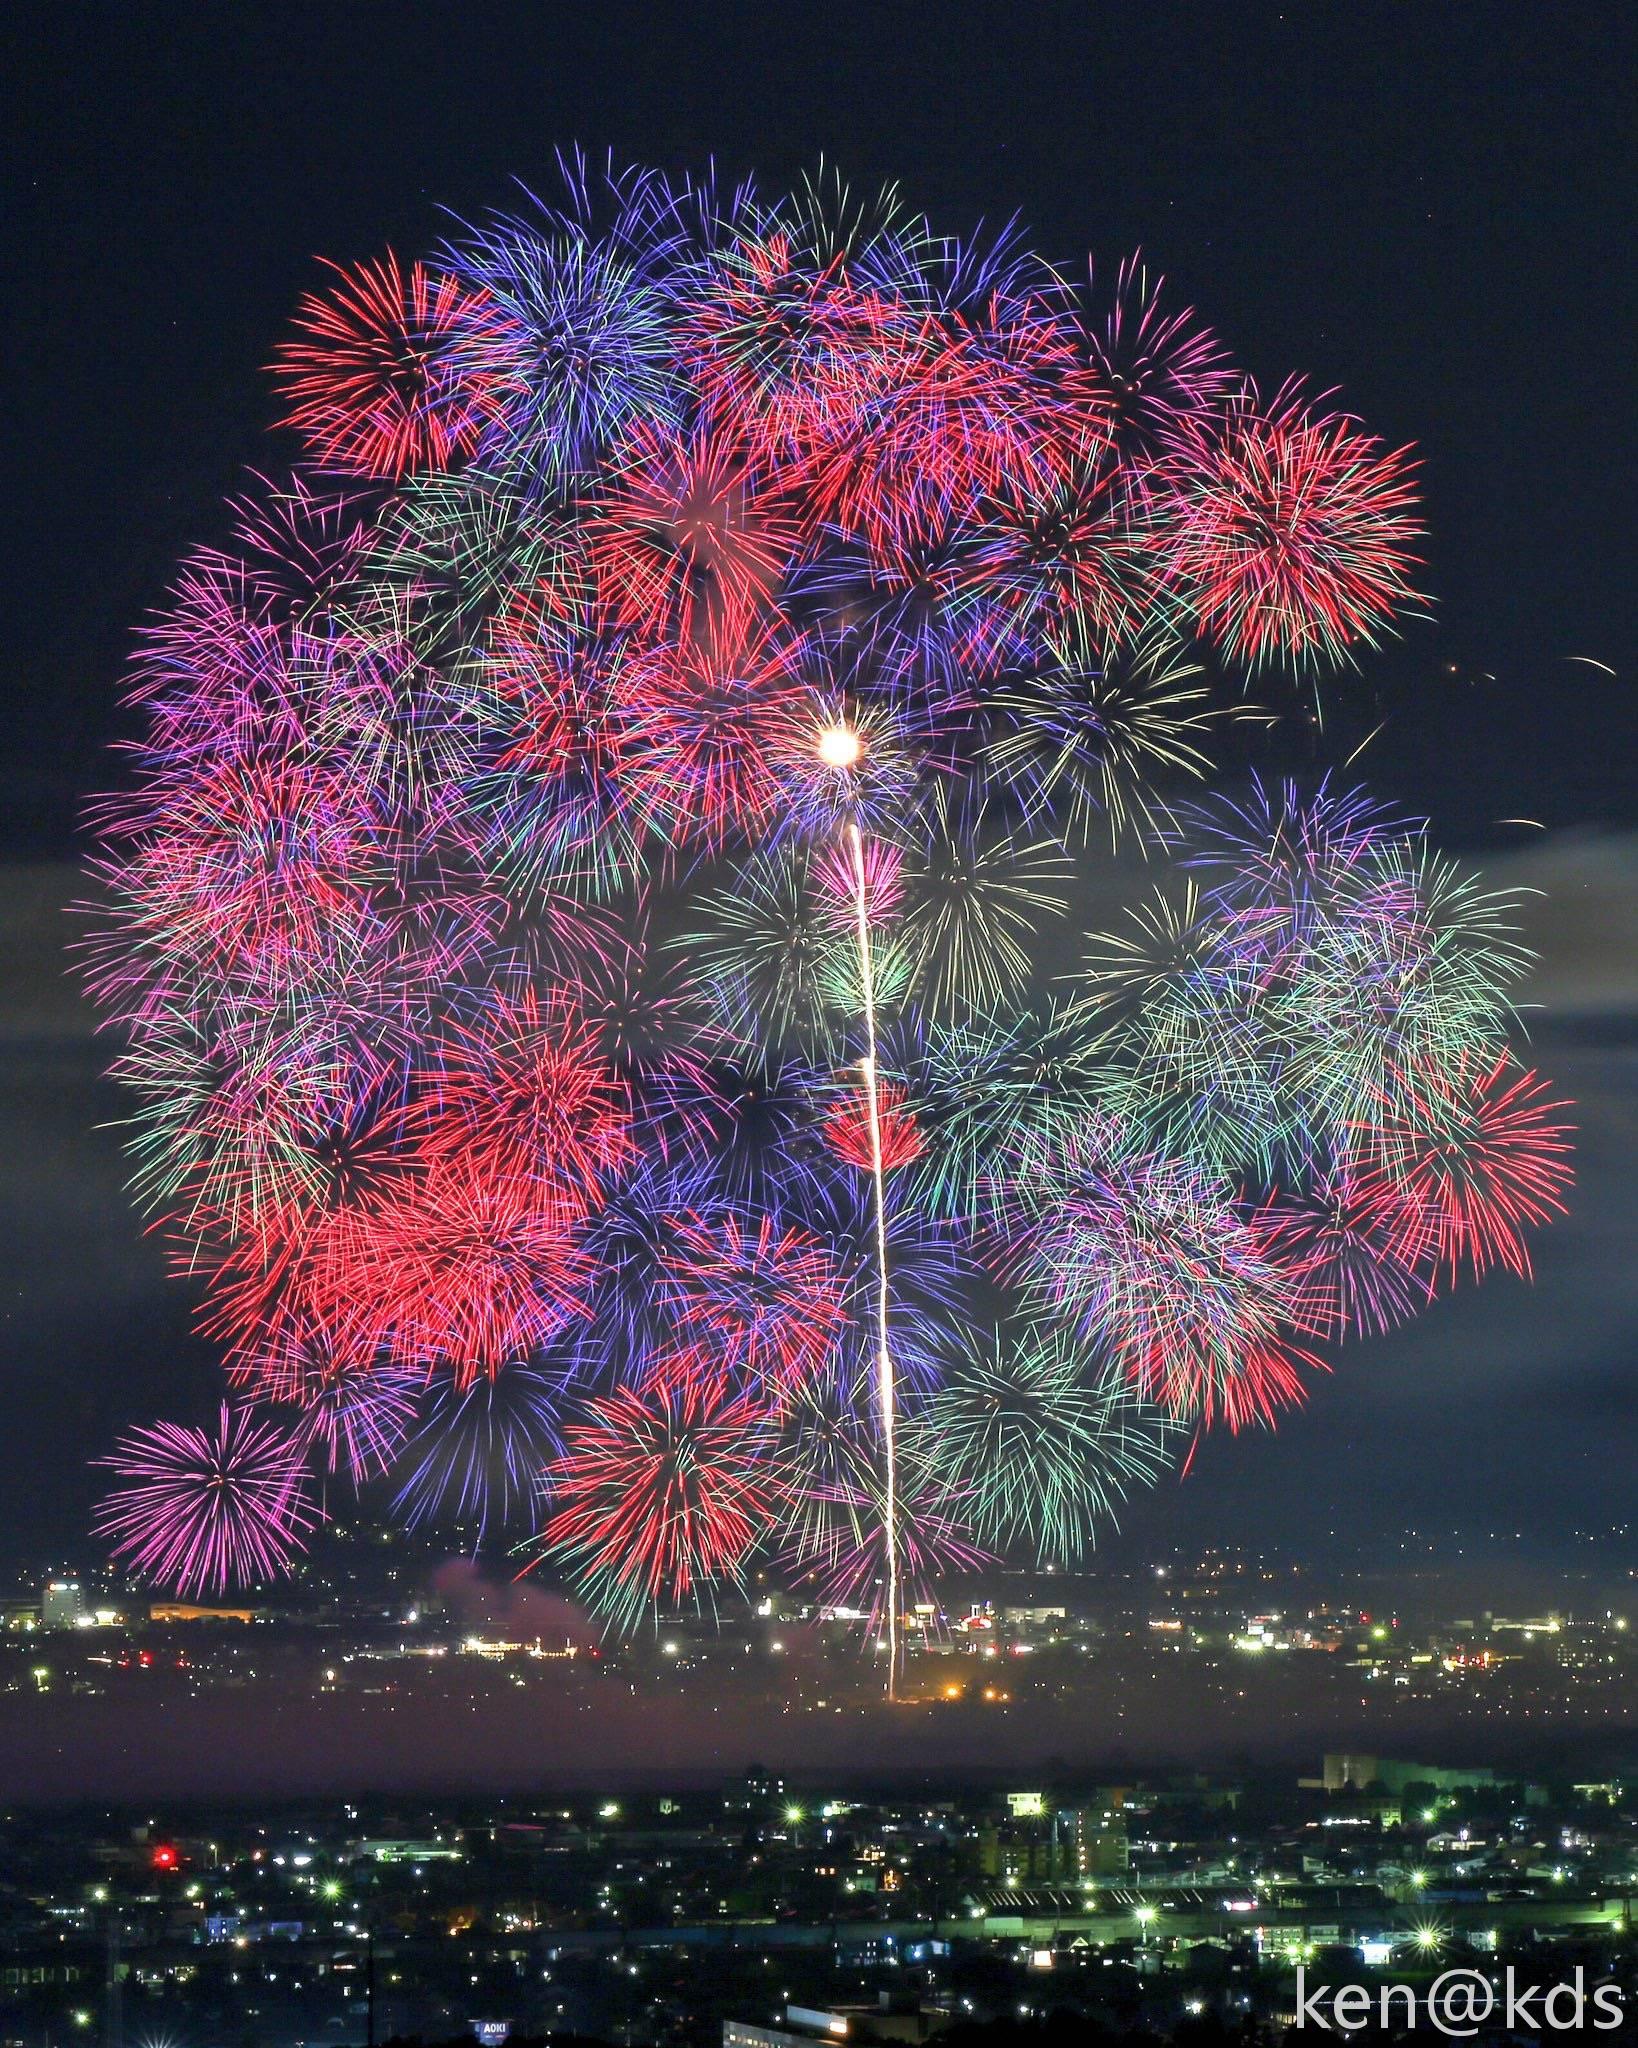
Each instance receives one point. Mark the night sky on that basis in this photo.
(1429, 208)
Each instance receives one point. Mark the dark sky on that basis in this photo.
(1429, 207)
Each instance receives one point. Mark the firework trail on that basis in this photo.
(585, 919)
(886, 1394)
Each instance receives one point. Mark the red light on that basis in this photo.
(164, 1857)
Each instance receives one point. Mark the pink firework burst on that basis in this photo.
(205, 1509)
(1148, 369)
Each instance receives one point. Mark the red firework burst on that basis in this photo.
(789, 354)
(258, 865)
(1474, 1157)
(847, 1129)
(474, 1267)
(964, 414)
(1293, 534)
(660, 1492)
(370, 379)
(687, 541)
(270, 1300)
(711, 730)
(524, 1092)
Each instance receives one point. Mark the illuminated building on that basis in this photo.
(1069, 1845)
(62, 1605)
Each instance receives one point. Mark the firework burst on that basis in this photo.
(661, 1492)
(1295, 533)
(1156, 1268)
(477, 1455)
(1036, 1449)
(585, 920)
(371, 378)
(205, 1509)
